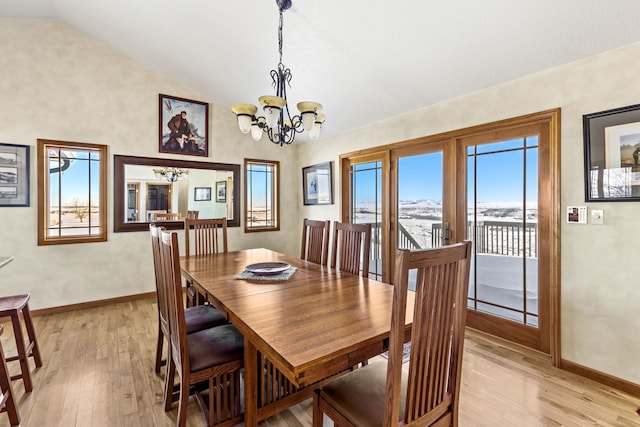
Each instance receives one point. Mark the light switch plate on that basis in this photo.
(597, 216)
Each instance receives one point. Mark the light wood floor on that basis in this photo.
(98, 371)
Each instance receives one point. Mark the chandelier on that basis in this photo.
(277, 122)
(171, 174)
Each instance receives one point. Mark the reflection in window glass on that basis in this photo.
(262, 198)
(72, 199)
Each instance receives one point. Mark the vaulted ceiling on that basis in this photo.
(364, 60)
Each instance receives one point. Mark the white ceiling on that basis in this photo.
(364, 60)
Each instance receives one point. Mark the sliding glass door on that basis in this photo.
(493, 184)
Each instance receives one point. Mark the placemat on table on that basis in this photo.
(285, 275)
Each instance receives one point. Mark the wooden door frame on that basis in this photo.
(455, 160)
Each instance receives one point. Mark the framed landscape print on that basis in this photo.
(317, 186)
(201, 194)
(612, 151)
(184, 126)
(221, 191)
(14, 175)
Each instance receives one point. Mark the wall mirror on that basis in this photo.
(167, 190)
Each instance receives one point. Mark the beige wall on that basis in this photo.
(58, 84)
(599, 270)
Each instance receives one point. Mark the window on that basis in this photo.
(261, 207)
(71, 192)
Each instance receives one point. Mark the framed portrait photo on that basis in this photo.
(612, 155)
(317, 184)
(201, 194)
(184, 126)
(14, 175)
(221, 191)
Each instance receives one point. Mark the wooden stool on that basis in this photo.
(7, 402)
(11, 307)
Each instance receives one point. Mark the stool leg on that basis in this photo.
(35, 350)
(22, 354)
(7, 389)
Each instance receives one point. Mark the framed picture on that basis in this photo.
(184, 126)
(317, 184)
(201, 194)
(611, 155)
(14, 175)
(221, 191)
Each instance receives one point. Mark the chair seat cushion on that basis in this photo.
(202, 317)
(214, 346)
(359, 395)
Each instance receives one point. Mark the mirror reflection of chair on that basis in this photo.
(196, 318)
(7, 400)
(214, 356)
(351, 247)
(426, 393)
(171, 216)
(151, 214)
(209, 237)
(315, 241)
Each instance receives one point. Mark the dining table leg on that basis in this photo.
(250, 384)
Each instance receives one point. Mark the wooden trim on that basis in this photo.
(275, 189)
(549, 339)
(601, 377)
(507, 329)
(43, 192)
(91, 304)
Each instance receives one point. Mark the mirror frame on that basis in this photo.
(119, 162)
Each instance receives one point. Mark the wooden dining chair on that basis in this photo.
(7, 400)
(315, 241)
(193, 214)
(196, 318)
(209, 237)
(214, 355)
(351, 247)
(427, 394)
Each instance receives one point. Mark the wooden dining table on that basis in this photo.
(300, 332)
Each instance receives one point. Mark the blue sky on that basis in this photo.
(74, 181)
(499, 175)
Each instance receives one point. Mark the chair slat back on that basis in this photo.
(193, 214)
(161, 292)
(170, 262)
(351, 247)
(209, 236)
(315, 241)
(437, 336)
(173, 216)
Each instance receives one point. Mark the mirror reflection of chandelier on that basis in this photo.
(171, 174)
(277, 122)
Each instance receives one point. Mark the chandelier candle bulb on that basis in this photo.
(315, 129)
(245, 114)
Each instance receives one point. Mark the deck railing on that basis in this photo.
(498, 237)
(490, 237)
